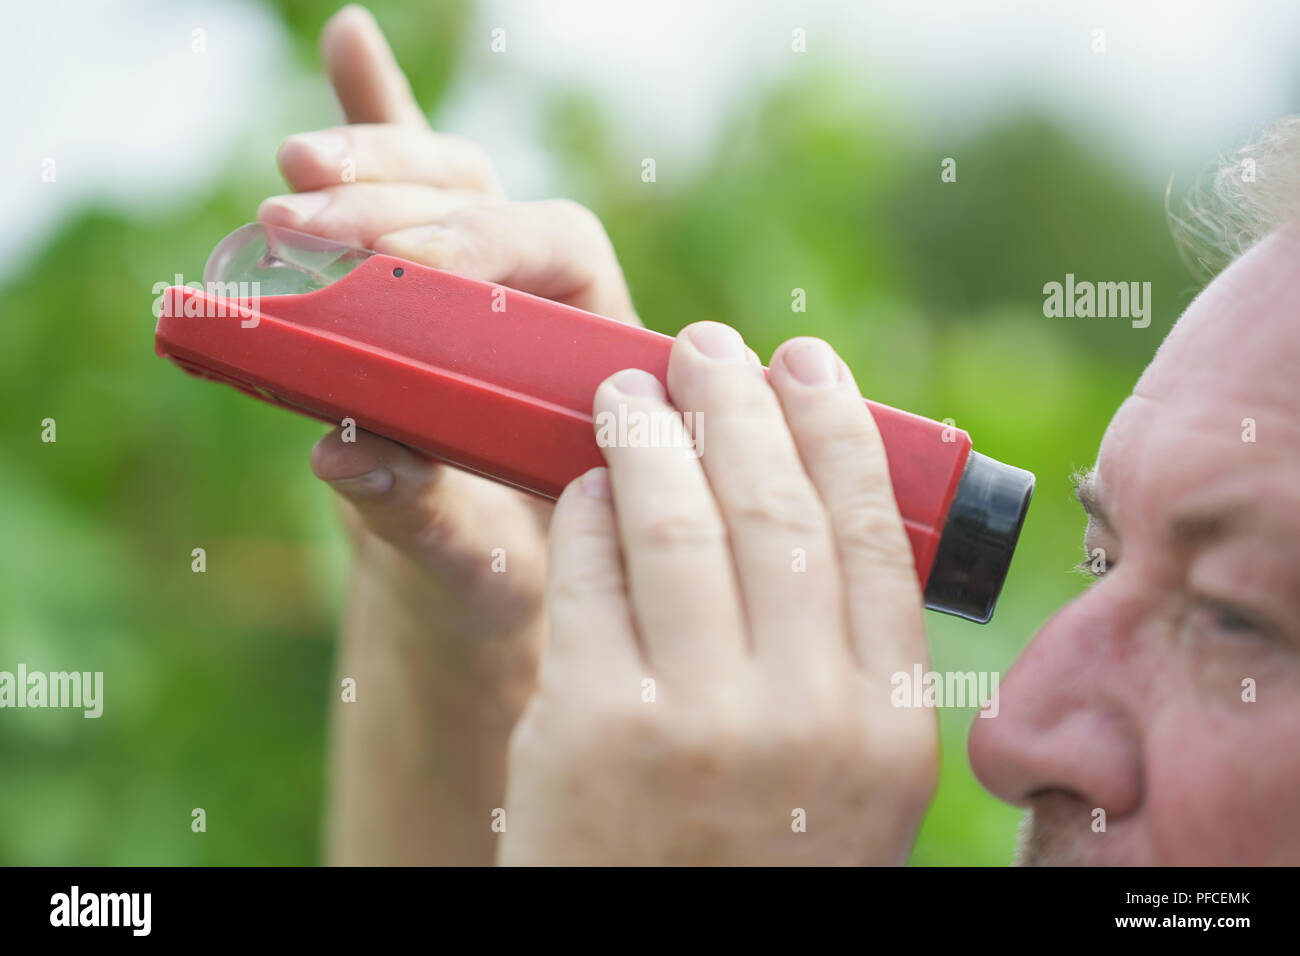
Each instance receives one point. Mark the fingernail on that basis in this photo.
(327, 146)
(637, 382)
(295, 209)
(720, 342)
(595, 484)
(813, 363)
(370, 484)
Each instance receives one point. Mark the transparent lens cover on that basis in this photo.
(282, 261)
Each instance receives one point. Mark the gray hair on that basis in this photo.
(1243, 197)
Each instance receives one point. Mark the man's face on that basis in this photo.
(1168, 693)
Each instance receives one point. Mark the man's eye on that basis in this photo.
(1231, 620)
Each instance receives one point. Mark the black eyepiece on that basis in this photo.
(979, 538)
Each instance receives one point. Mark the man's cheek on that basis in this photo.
(1219, 793)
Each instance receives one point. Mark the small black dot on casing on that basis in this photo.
(397, 273)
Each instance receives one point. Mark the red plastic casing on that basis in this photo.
(491, 380)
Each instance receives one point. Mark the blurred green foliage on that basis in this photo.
(216, 684)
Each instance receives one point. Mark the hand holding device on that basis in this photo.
(500, 383)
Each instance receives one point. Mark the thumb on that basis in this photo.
(371, 87)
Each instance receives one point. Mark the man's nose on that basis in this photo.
(1066, 721)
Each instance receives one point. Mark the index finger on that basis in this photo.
(371, 87)
(844, 456)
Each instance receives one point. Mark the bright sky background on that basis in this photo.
(131, 116)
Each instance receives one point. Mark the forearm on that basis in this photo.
(443, 651)
(418, 760)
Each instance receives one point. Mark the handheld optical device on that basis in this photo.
(501, 383)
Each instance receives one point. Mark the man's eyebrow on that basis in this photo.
(1198, 528)
(1085, 490)
(1187, 531)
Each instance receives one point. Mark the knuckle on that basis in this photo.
(434, 522)
(553, 731)
(578, 216)
(469, 237)
(639, 729)
(676, 528)
(706, 389)
(816, 715)
(586, 228)
(473, 159)
(848, 439)
(785, 505)
(871, 531)
(703, 743)
(479, 161)
(734, 395)
(477, 217)
(578, 585)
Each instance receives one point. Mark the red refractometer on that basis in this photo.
(501, 383)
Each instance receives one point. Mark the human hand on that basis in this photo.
(426, 532)
(700, 693)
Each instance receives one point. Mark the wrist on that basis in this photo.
(451, 602)
(449, 633)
